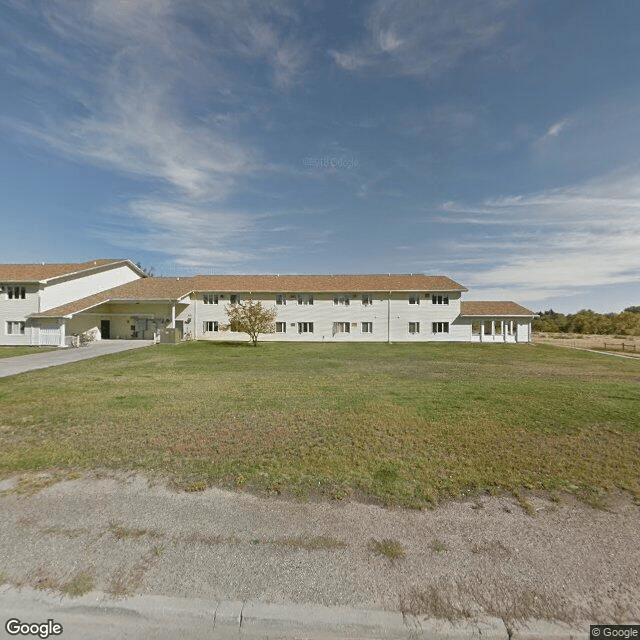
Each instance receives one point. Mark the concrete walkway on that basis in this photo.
(96, 615)
(33, 361)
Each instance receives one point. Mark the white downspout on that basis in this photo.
(389, 318)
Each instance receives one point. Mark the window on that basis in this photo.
(414, 327)
(281, 298)
(281, 327)
(367, 299)
(440, 327)
(305, 298)
(341, 327)
(210, 298)
(414, 298)
(234, 298)
(305, 327)
(341, 300)
(210, 325)
(15, 328)
(439, 299)
(16, 292)
(367, 327)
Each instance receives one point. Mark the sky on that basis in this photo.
(493, 141)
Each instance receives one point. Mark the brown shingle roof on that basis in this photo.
(142, 289)
(40, 272)
(324, 283)
(175, 288)
(493, 308)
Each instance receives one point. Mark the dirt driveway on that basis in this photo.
(484, 556)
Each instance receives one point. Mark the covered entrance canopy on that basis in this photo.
(494, 321)
(133, 311)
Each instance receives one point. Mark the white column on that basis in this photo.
(173, 316)
(482, 331)
(63, 324)
(493, 330)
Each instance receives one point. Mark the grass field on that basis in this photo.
(8, 352)
(404, 424)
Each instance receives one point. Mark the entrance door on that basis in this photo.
(105, 329)
(180, 328)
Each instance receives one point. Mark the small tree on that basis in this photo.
(250, 317)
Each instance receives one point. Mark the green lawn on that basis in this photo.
(8, 352)
(406, 424)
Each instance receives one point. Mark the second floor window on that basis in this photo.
(305, 298)
(439, 299)
(341, 300)
(414, 298)
(210, 298)
(367, 299)
(281, 298)
(16, 292)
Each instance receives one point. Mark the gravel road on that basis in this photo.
(483, 556)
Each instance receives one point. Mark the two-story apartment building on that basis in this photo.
(120, 302)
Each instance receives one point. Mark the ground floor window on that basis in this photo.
(341, 327)
(281, 327)
(414, 327)
(15, 328)
(305, 327)
(475, 328)
(210, 325)
(367, 327)
(440, 327)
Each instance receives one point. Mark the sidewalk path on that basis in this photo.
(31, 362)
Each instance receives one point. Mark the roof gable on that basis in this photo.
(47, 271)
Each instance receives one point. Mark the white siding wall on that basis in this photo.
(16, 311)
(323, 313)
(74, 288)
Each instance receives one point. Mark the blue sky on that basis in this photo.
(493, 141)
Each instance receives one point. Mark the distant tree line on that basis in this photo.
(625, 323)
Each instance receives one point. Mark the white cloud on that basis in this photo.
(554, 243)
(192, 234)
(555, 129)
(424, 37)
(138, 72)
